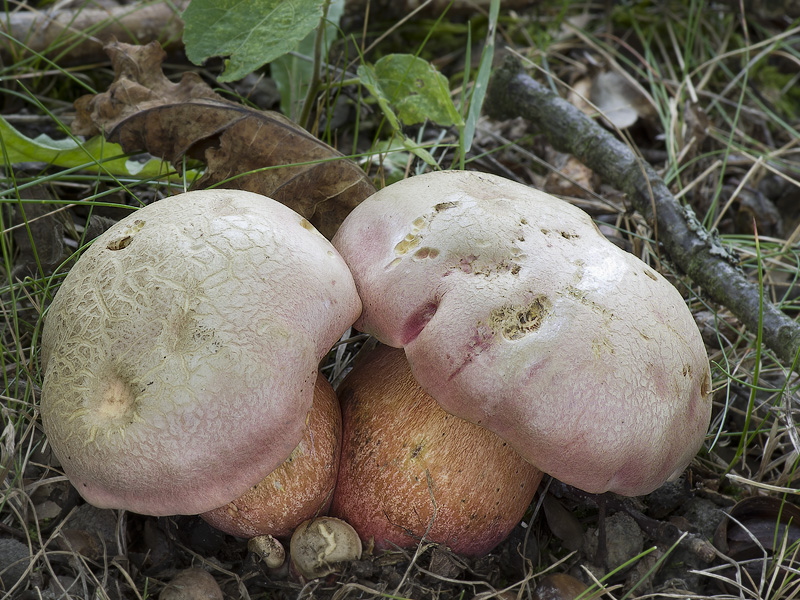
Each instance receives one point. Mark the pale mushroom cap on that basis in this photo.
(300, 488)
(183, 343)
(517, 314)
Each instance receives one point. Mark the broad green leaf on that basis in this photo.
(369, 79)
(249, 33)
(292, 73)
(68, 153)
(415, 89)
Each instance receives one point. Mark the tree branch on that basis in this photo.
(79, 35)
(513, 93)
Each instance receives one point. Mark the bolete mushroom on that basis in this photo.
(518, 315)
(180, 353)
(300, 488)
(410, 469)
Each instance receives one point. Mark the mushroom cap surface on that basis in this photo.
(300, 488)
(518, 315)
(410, 469)
(183, 343)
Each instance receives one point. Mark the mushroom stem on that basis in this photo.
(269, 549)
(322, 546)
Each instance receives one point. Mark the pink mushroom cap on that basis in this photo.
(518, 315)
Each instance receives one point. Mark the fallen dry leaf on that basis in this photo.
(620, 102)
(569, 176)
(243, 148)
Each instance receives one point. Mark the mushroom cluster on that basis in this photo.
(181, 352)
(181, 363)
(518, 315)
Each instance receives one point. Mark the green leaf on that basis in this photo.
(68, 153)
(420, 152)
(482, 78)
(413, 87)
(249, 33)
(292, 73)
(369, 79)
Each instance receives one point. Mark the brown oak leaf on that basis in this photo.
(243, 148)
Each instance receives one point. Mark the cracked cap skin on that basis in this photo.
(184, 338)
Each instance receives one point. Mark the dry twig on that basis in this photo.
(698, 253)
(72, 36)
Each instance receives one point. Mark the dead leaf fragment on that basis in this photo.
(579, 95)
(618, 99)
(243, 148)
(569, 177)
(89, 531)
(564, 525)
